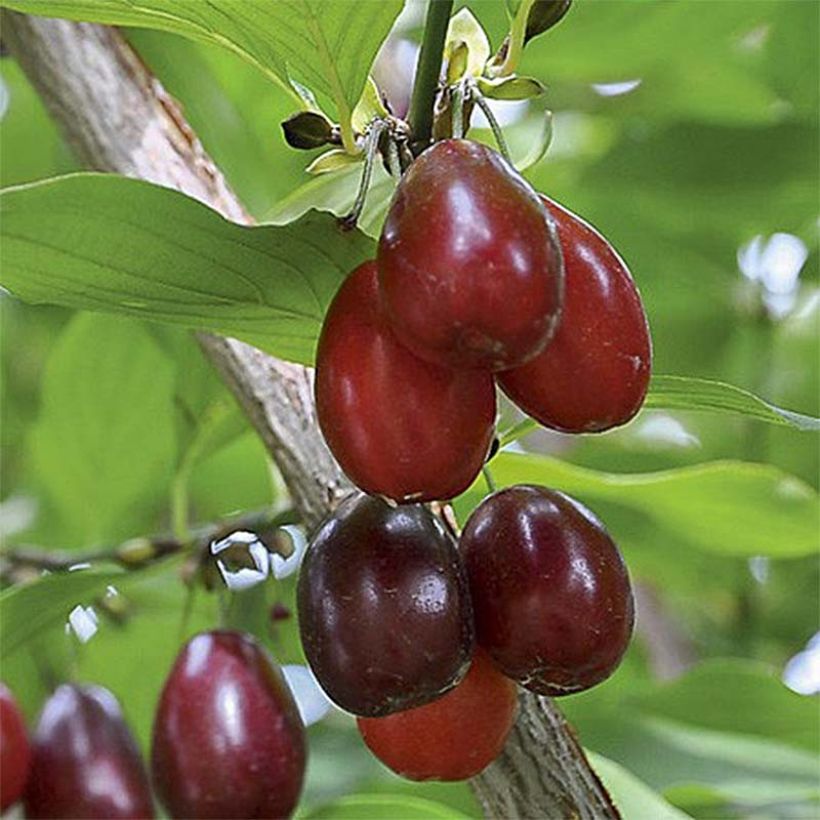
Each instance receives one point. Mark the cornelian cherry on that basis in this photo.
(228, 739)
(398, 426)
(452, 738)
(469, 260)
(594, 373)
(15, 752)
(551, 594)
(384, 611)
(85, 761)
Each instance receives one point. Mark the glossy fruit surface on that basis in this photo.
(228, 740)
(85, 761)
(552, 599)
(384, 611)
(397, 425)
(15, 752)
(469, 261)
(594, 373)
(452, 738)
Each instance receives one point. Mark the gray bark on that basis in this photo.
(117, 117)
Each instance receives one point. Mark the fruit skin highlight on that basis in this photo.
(551, 594)
(452, 738)
(398, 426)
(15, 751)
(85, 761)
(594, 374)
(384, 610)
(469, 260)
(228, 740)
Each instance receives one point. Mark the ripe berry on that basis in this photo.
(228, 740)
(452, 738)
(85, 761)
(552, 598)
(594, 373)
(384, 610)
(398, 426)
(15, 752)
(469, 260)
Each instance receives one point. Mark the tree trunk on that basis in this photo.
(118, 118)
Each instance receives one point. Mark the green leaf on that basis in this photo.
(739, 696)
(369, 106)
(29, 609)
(333, 160)
(668, 756)
(683, 393)
(328, 46)
(104, 440)
(727, 507)
(511, 88)
(687, 393)
(120, 245)
(632, 796)
(380, 806)
(465, 32)
(336, 194)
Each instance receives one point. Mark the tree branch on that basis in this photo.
(118, 118)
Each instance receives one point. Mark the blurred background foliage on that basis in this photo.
(687, 133)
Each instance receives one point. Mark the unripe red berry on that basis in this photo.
(15, 752)
(398, 426)
(594, 374)
(469, 261)
(452, 738)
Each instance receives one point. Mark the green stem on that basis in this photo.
(488, 478)
(428, 72)
(482, 103)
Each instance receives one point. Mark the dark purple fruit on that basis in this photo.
(384, 610)
(469, 261)
(552, 599)
(85, 762)
(228, 739)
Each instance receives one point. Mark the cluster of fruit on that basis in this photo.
(228, 742)
(478, 280)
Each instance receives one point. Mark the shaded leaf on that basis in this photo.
(329, 46)
(686, 393)
(633, 798)
(379, 806)
(104, 442)
(108, 243)
(727, 507)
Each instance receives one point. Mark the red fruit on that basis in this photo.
(594, 373)
(384, 611)
(228, 740)
(398, 426)
(469, 261)
(452, 738)
(85, 761)
(15, 752)
(552, 599)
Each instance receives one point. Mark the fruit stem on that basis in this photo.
(482, 103)
(349, 221)
(458, 98)
(488, 478)
(428, 72)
